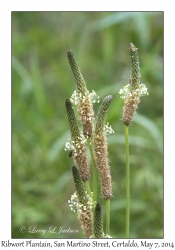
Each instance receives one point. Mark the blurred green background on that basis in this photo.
(42, 80)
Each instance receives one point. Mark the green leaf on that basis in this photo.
(151, 127)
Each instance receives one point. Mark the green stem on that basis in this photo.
(88, 188)
(127, 182)
(94, 170)
(89, 192)
(107, 216)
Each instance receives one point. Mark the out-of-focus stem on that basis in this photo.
(127, 182)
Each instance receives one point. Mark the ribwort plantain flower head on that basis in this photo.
(82, 98)
(100, 148)
(132, 92)
(81, 204)
(77, 143)
(80, 82)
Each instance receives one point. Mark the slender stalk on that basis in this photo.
(93, 169)
(107, 216)
(88, 188)
(89, 192)
(127, 182)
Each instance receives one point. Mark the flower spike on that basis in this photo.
(132, 92)
(100, 149)
(83, 99)
(78, 143)
(81, 203)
